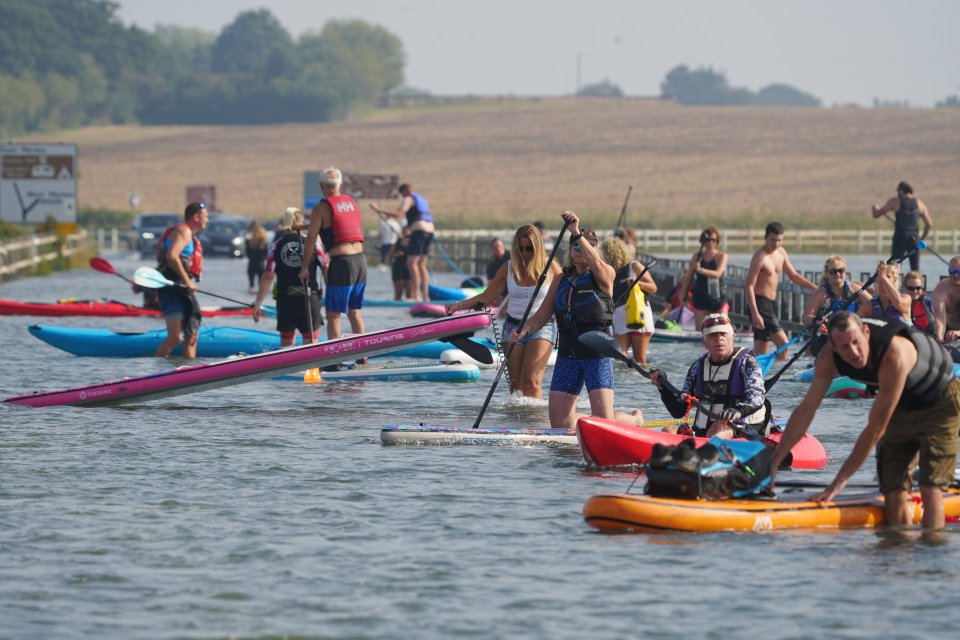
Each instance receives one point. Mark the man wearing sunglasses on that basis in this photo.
(727, 380)
(180, 258)
(921, 305)
(915, 416)
(946, 303)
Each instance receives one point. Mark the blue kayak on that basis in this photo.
(213, 342)
(451, 294)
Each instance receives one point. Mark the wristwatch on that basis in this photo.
(576, 237)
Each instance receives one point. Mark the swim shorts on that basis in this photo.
(346, 282)
(292, 314)
(176, 304)
(547, 332)
(420, 242)
(931, 432)
(570, 375)
(768, 311)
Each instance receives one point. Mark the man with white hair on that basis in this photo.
(336, 219)
(728, 381)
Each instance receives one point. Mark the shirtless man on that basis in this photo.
(946, 303)
(768, 262)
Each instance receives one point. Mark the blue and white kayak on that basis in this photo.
(451, 294)
(425, 435)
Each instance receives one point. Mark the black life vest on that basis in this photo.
(580, 306)
(931, 375)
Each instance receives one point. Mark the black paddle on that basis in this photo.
(606, 345)
(523, 321)
(623, 296)
(768, 384)
(622, 220)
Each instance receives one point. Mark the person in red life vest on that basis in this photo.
(284, 259)
(180, 258)
(420, 222)
(336, 220)
(921, 306)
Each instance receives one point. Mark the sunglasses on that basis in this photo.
(719, 321)
(915, 288)
(835, 272)
(708, 239)
(526, 248)
(576, 248)
(954, 272)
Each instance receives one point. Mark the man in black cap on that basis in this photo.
(908, 210)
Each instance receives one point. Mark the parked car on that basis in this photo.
(225, 235)
(146, 230)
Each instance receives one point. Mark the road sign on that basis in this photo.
(38, 181)
(372, 186)
(205, 193)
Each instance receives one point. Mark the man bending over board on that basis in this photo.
(917, 410)
(763, 277)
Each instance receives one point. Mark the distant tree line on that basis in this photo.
(704, 86)
(70, 63)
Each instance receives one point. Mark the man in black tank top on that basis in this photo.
(908, 210)
(917, 410)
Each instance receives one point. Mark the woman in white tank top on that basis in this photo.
(519, 277)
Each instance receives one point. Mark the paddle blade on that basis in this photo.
(102, 265)
(268, 311)
(604, 344)
(473, 349)
(150, 278)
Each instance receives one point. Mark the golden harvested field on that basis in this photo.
(494, 165)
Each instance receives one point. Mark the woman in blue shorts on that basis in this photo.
(582, 301)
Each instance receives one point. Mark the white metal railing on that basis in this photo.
(22, 254)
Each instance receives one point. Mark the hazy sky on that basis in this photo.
(842, 51)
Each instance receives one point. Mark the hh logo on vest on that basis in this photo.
(345, 207)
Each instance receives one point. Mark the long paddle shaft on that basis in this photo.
(623, 296)
(923, 245)
(153, 279)
(768, 384)
(523, 321)
(622, 220)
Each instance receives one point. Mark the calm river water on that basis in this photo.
(271, 510)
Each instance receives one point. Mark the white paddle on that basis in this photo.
(153, 279)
